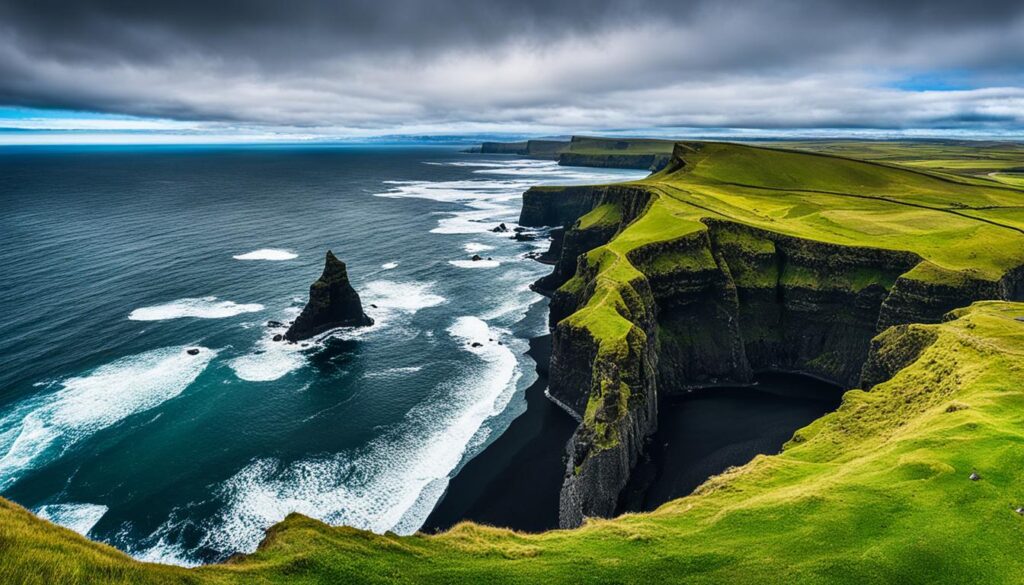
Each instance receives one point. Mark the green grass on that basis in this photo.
(599, 145)
(876, 492)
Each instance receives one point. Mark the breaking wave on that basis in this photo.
(270, 254)
(203, 308)
(41, 428)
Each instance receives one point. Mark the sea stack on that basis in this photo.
(332, 303)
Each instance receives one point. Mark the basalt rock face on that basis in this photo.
(564, 207)
(558, 206)
(647, 162)
(714, 307)
(332, 303)
(545, 149)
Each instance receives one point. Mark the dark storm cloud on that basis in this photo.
(530, 64)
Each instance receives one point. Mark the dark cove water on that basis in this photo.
(706, 431)
(116, 261)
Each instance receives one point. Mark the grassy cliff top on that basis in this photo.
(955, 223)
(962, 228)
(876, 492)
(988, 159)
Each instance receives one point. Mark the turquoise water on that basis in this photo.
(116, 261)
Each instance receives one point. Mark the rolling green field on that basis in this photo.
(967, 158)
(876, 492)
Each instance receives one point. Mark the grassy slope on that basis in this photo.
(876, 492)
(966, 158)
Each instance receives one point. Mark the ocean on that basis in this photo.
(116, 261)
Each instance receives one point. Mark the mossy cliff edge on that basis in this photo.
(685, 279)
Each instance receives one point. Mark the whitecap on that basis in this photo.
(271, 360)
(405, 297)
(475, 263)
(203, 308)
(270, 254)
(473, 247)
(389, 265)
(78, 517)
(44, 426)
(393, 372)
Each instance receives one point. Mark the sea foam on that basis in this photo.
(201, 308)
(392, 482)
(473, 247)
(405, 297)
(78, 517)
(475, 263)
(42, 427)
(270, 254)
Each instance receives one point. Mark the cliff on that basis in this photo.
(544, 149)
(332, 303)
(580, 151)
(680, 281)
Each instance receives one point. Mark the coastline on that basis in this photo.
(515, 482)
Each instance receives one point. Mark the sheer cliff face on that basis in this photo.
(332, 303)
(713, 306)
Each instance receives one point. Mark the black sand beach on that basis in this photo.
(515, 482)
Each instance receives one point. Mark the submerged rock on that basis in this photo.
(476, 258)
(275, 324)
(192, 351)
(332, 303)
(501, 228)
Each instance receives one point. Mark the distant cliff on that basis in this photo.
(581, 151)
(545, 149)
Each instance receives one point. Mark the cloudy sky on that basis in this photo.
(216, 70)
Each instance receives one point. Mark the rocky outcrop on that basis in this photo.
(893, 350)
(714, 307)
(332, 303)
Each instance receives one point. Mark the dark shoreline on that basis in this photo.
(515, 482)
